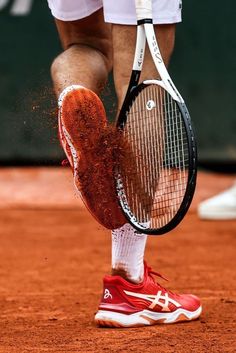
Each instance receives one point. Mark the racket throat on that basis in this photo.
(134, 79)
(159, 63)
(139, 49)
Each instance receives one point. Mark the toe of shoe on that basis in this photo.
(191, 302)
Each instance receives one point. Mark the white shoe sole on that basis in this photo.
(144, 318)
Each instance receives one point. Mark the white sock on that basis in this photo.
(128, 247)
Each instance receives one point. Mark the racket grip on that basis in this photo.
(143, 9)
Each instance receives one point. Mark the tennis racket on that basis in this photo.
(155, 188)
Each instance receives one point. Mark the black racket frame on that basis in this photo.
(132, 92)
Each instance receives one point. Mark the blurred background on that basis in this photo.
(203, 67)
(48, 288)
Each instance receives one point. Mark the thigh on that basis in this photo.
(124, 40)
(90, 31)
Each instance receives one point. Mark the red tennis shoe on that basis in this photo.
(125, 304)
(82, 123)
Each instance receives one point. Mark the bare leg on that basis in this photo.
(127, 246)
(87, 56)
(86, 61)
(124, 40)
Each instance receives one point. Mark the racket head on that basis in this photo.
(156, 182)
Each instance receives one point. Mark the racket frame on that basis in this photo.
(146, 33)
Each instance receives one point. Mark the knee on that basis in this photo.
(57, 65)
(103, 48)
(72, 55)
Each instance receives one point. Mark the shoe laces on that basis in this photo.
(151, 273)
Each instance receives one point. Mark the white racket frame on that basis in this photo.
(145, 31)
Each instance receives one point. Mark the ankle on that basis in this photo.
(127, 276)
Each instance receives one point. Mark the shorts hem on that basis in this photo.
(132, 21)
(72, 16)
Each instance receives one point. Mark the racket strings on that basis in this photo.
(156, 181)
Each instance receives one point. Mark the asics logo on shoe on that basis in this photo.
(158, 299)
(107, 294)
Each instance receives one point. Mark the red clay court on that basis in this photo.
(54, 255)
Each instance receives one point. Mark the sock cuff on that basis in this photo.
(128, 246)
(126, 237)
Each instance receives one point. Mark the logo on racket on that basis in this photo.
(150, 105)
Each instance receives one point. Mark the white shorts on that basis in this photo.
(115, 11)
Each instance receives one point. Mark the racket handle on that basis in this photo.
(143, 9)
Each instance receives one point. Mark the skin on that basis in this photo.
(124, 39)
(87, 55)
(92, 48)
